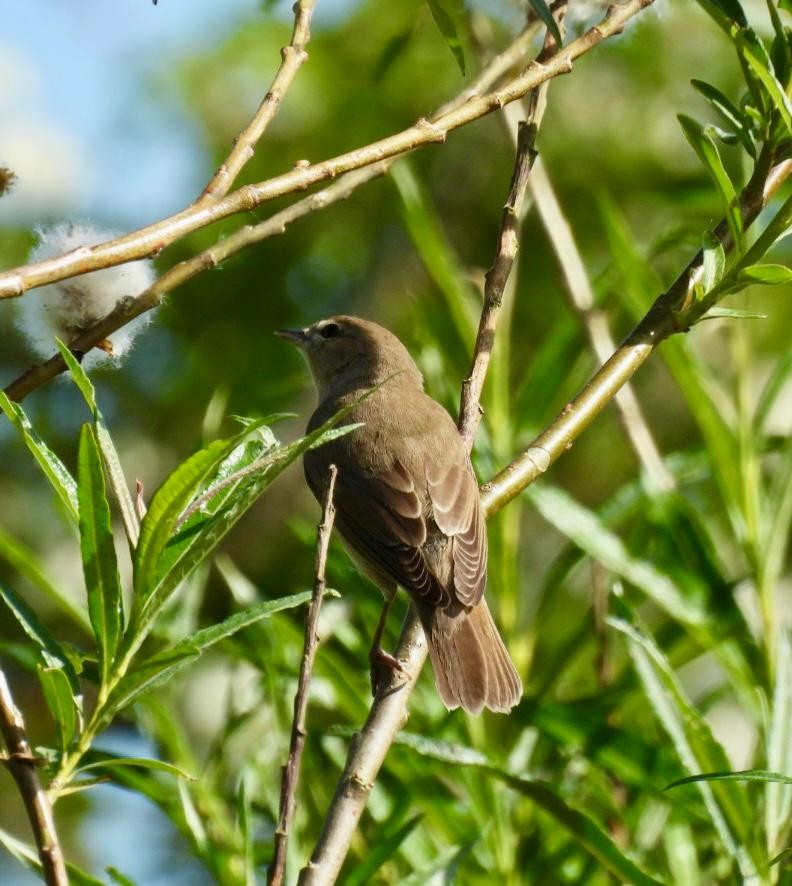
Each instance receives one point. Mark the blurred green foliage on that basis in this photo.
(649, 628)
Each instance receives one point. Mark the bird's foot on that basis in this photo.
(382, 665)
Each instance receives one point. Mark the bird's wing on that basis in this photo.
(456, 507)
(384, 519)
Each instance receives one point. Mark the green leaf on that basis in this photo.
(586, 833)
(169, 502)
(446, 14)
(100, 568)
(23, 559)
(692, 738)
(62, 704)
(718, 313)
(751, 49)
(541, 8)
(112, 462)
(118, 877)
(588, 531)
(53, 653)
(386, 847)
(158, 669)
(108, 761)
(772, 275)
(704, 145)
(725, 13)
(729, 112)
(745, 775)
(394, 48)
(714, 262)
(241, 478)
(60, 479)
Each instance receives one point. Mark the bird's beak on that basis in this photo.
(295, 336)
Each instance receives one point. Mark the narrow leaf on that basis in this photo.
(112, 462)
(168, 503)
(100, 568)
(444, 13)
(21, 558)
(583, 829)
(387, 846)
(588, 531)
(541, 8)
(714, 261)
(729, 112)
(763, 775)
(704, 145)
(110, 762)
(62, 704)
(718, 313)
(773, 275)
(53, 653)
(751, 49)
(60, 479)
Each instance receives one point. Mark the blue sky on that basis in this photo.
(72, 90)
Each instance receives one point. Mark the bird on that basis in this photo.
(407, 504)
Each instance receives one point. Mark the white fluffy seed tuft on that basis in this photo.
(69, 307)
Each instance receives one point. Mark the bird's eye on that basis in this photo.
(330, 330)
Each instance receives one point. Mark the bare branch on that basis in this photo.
(292, 58)
(154, 238)
(21, 763)
(366, 755)
(291, 771)
(506, 253)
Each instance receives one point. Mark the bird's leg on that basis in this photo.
(378, 657)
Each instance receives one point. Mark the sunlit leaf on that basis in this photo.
(100, 568)
(60, 479)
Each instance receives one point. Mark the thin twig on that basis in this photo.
(179, 274)
(154, 238)
(21, 763)
(497, 276)
(291, 771)
(292, 58)
(389, 710)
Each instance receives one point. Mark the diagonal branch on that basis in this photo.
(389, 710)
(291, 771)
(21, 763)
(154, 238)
(292, 58)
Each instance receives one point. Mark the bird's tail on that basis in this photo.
(471, 666)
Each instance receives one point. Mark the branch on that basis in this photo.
(127, 310)
(154, 238)
(22, 765)
(389, 710)
(292, 58)
(497, 276)
(291, 771)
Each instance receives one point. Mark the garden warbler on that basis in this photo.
(407, 504)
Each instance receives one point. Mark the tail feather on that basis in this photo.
(471, 665)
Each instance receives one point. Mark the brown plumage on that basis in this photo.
(407, 503)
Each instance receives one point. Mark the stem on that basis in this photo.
(21, 763)
(291, 771)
